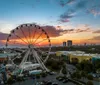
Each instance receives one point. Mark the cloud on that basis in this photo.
(70, 29)
(6, 26)
(95, 38)
(73, 10)
(59, 30)
(51, 31)
(61, 2)
(3, 36)
(86, 6)
(94, 9)
(83, 30)
(94, 12)
(63, 20)
(66, 16)
(78, 3)
(65, 2)
(70, 1)
(97, 31)
(75, 31)
(81, 4)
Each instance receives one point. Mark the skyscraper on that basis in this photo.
(85, 44)
(69, 43)
(64, 43)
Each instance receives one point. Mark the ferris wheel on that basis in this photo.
(33, 40)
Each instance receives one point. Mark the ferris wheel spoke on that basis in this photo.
(34, 34)
(38, 38)
(29, 35)
(40, 41)
(39, 50)
(20, 38)
(24, 35)
(40, 56)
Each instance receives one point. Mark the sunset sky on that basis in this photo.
(77, 20)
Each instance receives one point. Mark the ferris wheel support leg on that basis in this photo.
(24, 60)
(34, 56)
(43, 64)
(39, 60)
(47, 56)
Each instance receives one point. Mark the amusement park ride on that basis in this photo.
(31, 38)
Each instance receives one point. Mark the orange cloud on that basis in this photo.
(57, 35)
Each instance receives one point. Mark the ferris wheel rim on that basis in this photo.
(29, 42)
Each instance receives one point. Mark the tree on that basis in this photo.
(83, 74)
(43, 74)
(49, 62)
(73, 75)
(98, 70)
(78, 76)
(97, 63)
(89, 83)
(55, 66)
(75, 60)
(85, 66)
(64, 70)
(37, 76)
(10, 81)
(78, 66)
(19, 79)
(90, 77)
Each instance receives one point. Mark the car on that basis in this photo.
(65, 80)
(40, 83)
(51, 73)
(49, 83)
(45, 81)
(60, 79)
(54, 83)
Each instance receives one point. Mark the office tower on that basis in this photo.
(64, 43)
(69, 43)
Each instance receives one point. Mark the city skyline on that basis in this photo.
(76, 20)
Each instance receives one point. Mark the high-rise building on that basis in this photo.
(69, 43)
(64, 43)
(85, 44)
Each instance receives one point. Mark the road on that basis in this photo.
(48, 78)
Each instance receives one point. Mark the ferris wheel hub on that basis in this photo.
(30, 46)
